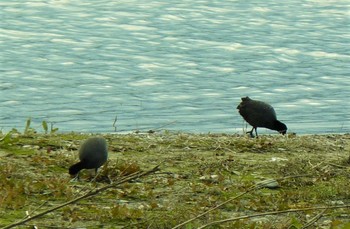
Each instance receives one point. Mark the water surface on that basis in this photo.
(174, 65)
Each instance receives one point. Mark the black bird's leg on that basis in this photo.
(256, 132)
(95, 175)
(251, 132)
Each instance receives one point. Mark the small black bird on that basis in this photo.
(260, 114)
(92, 154)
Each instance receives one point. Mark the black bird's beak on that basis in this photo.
(283, 132)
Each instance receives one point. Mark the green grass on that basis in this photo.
(198, 172)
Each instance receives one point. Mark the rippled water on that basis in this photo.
(177, 65)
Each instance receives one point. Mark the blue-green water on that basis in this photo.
(183, 64)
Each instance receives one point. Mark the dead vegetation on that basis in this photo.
(198, 172)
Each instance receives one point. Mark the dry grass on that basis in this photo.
(198, 172)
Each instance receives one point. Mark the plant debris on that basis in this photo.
(198, 172)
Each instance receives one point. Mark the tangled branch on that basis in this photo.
(87, 195)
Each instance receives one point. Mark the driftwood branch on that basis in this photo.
(314, 219)
(271, 213)
(212, 209)
(87, 195)
(254, 187)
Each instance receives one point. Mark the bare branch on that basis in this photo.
(256, 186)
(271, 213)
(314, 219)
(87, 195)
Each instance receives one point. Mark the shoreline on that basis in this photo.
(197, 172)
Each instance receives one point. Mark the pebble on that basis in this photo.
(268, 183)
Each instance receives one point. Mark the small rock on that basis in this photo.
(337, 202)
(269, 183)
(214, 177)
(277, 159)
(236, 172)
(203, 178)
(210, 179)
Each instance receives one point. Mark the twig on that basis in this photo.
(166, 124)
(256, 186)
(314, 219)
(338, 166)
(114, 123)
(87, 195)
(270, 213)
(36, 209)
(216, 207)
(151, 131)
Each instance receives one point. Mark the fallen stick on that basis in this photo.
(271, 213)
(254, 187)
(87, 195)
(314, 219)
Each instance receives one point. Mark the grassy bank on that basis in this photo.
(197, 173)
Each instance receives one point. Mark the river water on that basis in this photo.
(175, 65)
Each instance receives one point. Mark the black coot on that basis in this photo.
(92, 154)
(260, 114)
